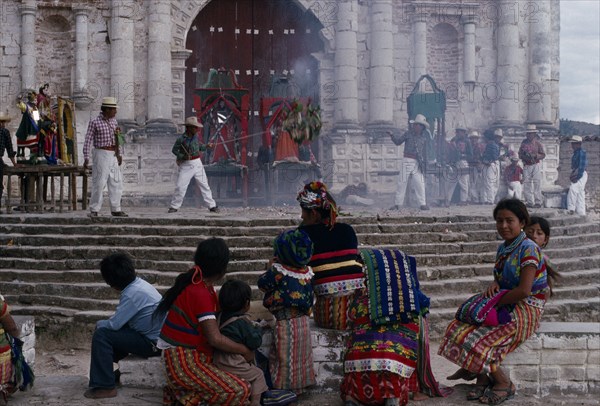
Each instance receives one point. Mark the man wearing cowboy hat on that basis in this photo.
(578, 177)
(417, 146)
(5, 144)
(531, 152)
(102, 134)
(187, 150)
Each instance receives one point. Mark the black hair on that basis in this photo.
(544, 225)
(117, 270)
(212, 257)
(515, 206)
(234, 295)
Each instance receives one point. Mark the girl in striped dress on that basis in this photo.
(289, 297)
(521, 271)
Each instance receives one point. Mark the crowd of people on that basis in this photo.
(209, 344)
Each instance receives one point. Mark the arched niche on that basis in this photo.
(443, 56)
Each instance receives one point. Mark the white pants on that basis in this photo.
(189, 170)
(458, 178)
(106, 172)
(576, 196)
(515, 190)
(411, 178)
(532, 184)
(475, 180)
(491, 180)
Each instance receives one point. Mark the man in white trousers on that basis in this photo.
(531, 152)
(102, 134)
(576, 196)
(491, 166)
(187, 150)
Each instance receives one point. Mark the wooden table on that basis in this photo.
(39, 174)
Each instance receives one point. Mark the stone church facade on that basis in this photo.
(497, 61)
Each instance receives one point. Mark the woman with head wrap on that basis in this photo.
(334, 261)
(289, 296)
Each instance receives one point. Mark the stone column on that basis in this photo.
(159, 67)
(80, 91)
(468, 22)
(539, 98)
(419, 46)
(381, 73)
(346, 62)
(28, 57)
(507, 69)
(122, 84)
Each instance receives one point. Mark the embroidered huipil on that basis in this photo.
(287, 288)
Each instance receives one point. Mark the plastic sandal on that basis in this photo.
(491, 396)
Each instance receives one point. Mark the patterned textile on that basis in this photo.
(100, 133)
(394, 293)
(293, 248)
(481, 349)
(193, 379)
(315, 196)
(290, 358)
(331, 311)
(6, 368)
(478, 310)
(287, 288)
(373, 387)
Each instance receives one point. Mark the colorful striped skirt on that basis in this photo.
(290, 358)
(481, 349)
(193, 379)
(332, 311)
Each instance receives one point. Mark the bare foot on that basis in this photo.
(462, 374)
(417, 396)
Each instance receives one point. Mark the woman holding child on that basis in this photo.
(190, 334)
(519, 288)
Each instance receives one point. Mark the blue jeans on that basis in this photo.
(110, 346)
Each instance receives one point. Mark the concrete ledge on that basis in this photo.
(560, 359)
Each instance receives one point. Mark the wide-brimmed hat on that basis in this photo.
(498, 132)
(474, 133)
(576, 138)
(461, 128)
(110, 102)
(420, 119)
(531, 128)
(4, 116)
(193, 122)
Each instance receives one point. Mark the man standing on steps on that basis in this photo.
(133, 329)
(5, 144)
(417, 147)
(102, 134)
(531, 153)
(187, 149)
(578, 177)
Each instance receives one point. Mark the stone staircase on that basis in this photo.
(49, 263)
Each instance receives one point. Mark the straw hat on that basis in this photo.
(192, 122)
(474, 133)
(4, 116)
(420, 119)
(498, 132)
(576, 138)
(531, 128)
(110, 102)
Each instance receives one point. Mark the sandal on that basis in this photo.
(478, 391)
(491, 396)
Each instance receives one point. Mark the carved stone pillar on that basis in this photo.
(507, 69)
(80, 91)
(468, 22)
(121, 60)
(539, 98)
(28, 57)
(381, 72)
(346, 61)
(159, 66)
(419, 46)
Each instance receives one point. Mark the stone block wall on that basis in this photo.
(560, 359)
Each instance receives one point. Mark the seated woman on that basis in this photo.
(8, 328)
(190, 333)
(334, 259)
(388, 351)
(520, 276)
